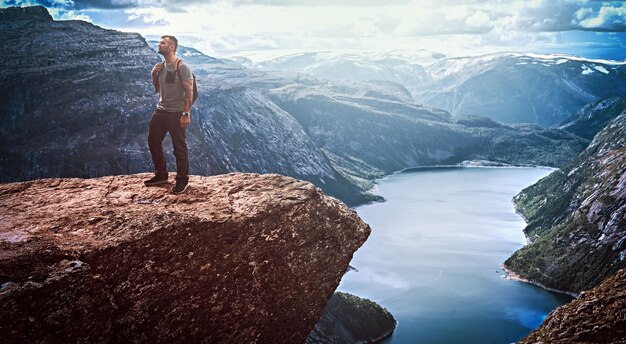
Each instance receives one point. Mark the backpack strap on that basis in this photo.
(155, 79)
(177, 68)
(177, 71)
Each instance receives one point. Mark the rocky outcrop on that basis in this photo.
(598, 316)
(239, 258)
(577, 217)
(351, 319)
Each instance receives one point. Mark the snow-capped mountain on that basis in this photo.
(521, 88)
(508, 87)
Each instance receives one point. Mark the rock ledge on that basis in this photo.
(240, 258)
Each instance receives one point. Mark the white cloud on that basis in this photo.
(607, 18)
(478, 19)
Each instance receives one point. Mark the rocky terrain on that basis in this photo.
(598, 316)
(577, 217)
(240, 258)
(351, 319)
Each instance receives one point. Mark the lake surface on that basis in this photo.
(435, 253)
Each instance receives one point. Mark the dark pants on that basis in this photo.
(161, 123)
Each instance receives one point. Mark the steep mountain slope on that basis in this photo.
(577, 217)
(83, 93)
(596, 317)
(593, 117)
(368, 137)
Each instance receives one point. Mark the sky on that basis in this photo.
(222, 28)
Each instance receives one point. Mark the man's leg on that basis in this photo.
(156, 133)
(178, 135)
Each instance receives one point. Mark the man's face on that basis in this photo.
(164, 46)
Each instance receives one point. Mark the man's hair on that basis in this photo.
(172, 39)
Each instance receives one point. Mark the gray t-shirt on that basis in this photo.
(171, 92)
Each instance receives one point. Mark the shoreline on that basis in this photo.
(513, 276)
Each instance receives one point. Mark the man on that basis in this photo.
(171, 115)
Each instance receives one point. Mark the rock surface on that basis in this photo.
(577, 217)
(239, 258)
(350, 319)
(598, 316)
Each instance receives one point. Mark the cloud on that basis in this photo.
(607, 18)
(449, 26)
(478, 19)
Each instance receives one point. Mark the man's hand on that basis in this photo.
(157, 68)
(185, 120)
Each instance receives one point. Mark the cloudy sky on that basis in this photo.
(595, 29)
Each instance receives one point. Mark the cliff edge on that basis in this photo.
(240, 258)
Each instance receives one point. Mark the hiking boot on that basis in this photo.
(156, 180)
(180, 187)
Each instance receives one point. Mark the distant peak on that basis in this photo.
(24, 13)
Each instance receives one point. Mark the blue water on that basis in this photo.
(434, 256)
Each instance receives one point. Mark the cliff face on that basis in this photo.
(577, 217)
(240, 258)
(598, 316)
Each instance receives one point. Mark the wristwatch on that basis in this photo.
(185, 113)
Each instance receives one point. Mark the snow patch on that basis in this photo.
(586, 69)
(601, 69)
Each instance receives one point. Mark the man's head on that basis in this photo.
(167, 44)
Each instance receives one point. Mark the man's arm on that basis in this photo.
(188, 88)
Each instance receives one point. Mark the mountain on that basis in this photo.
(240, 258)
(83, 93)
(521, 88)
(509, 87)
(353, 66)
(593, 117)
(596, 317)
(367, 137)
(577, 217)
(368, 129)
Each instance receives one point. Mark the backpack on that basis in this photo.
(177, 71)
